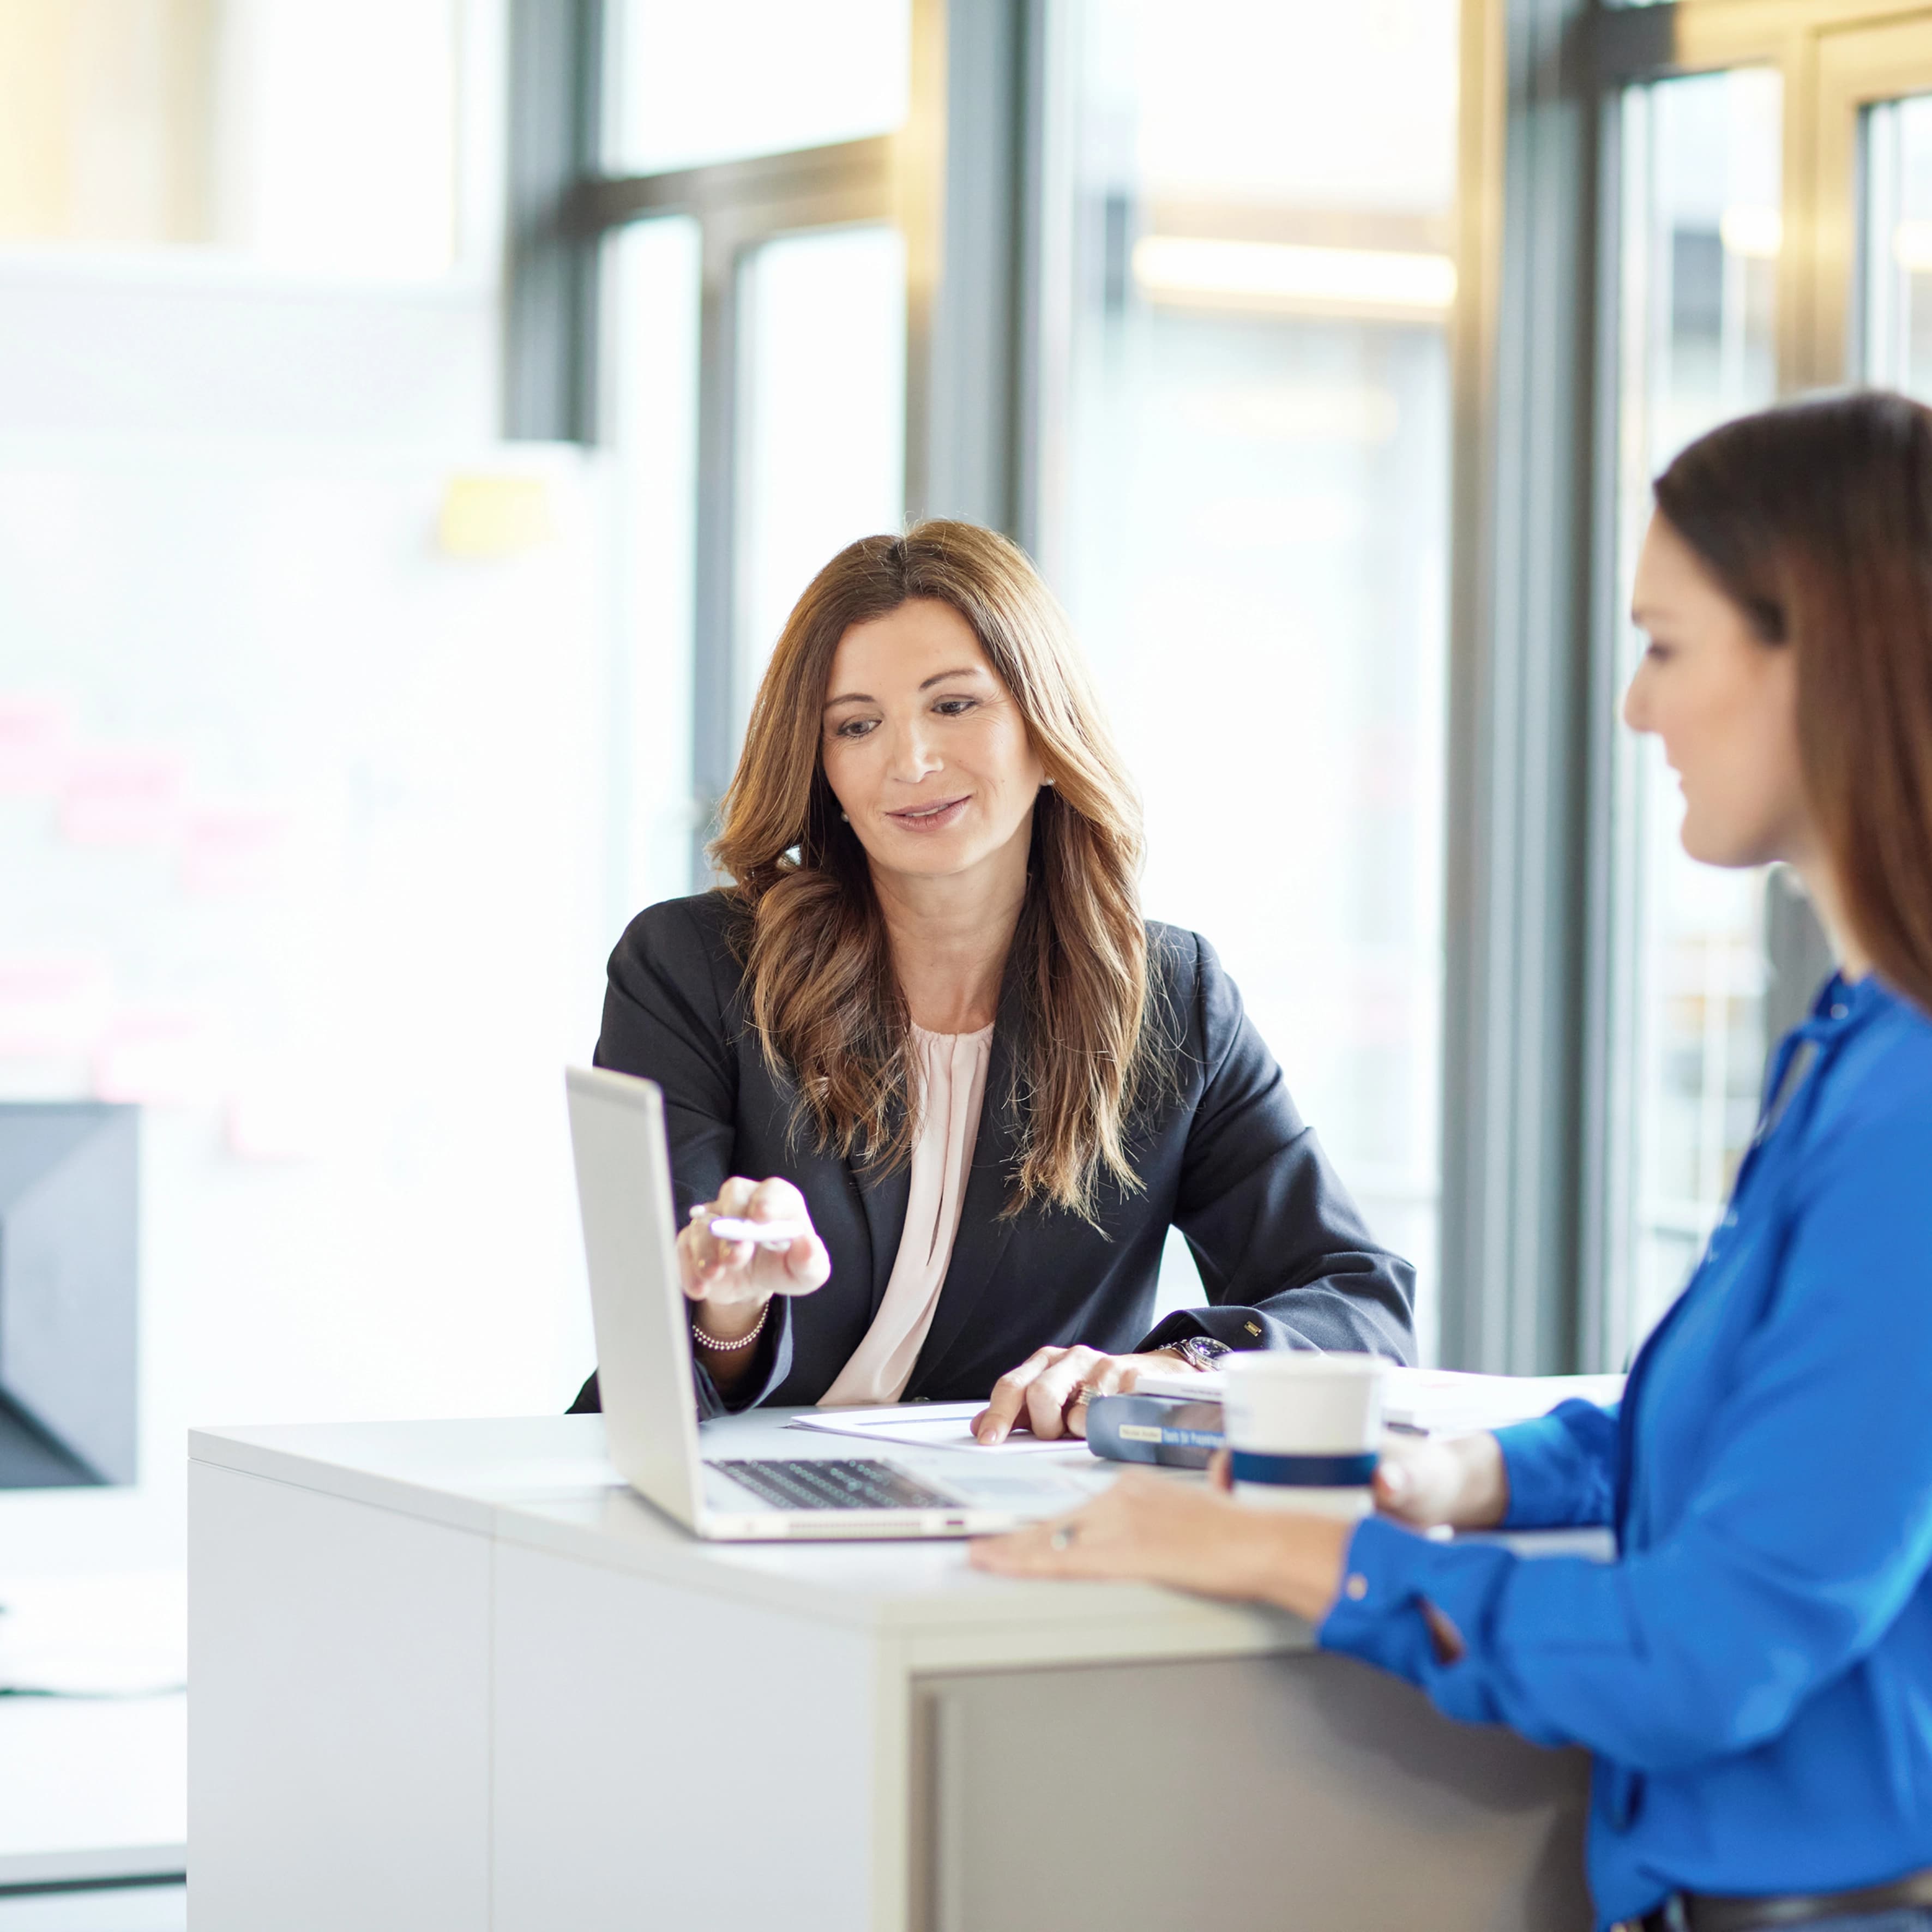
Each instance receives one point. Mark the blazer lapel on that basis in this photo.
(885, 1197)
(982, 1235)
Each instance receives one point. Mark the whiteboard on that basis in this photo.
(313, 841)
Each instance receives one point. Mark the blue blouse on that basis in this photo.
(1753, 1673)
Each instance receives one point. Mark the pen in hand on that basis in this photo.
(760, 1234)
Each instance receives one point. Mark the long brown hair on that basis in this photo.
(823, 994)
(1815, 518)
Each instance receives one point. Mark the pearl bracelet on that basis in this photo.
(718, 1348)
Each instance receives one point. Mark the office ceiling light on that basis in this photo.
(1192, 270)
(1912, 247)
(1757, 233)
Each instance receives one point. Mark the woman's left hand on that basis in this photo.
(1155, 1530)
(1049, 1391)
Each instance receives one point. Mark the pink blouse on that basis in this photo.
(951, 1069)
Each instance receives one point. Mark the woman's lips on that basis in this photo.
(934, 817)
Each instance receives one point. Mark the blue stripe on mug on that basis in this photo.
(1305, 1472)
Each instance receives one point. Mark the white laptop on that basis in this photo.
(644, 1370)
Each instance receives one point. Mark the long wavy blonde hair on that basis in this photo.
(823, 995)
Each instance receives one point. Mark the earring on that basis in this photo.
(1046, 781)
(843, 820)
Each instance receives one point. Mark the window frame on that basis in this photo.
(953, 180)
(1537, 1149)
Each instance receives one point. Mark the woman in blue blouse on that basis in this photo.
(1753, 1673)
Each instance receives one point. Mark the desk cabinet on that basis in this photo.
(453, 1676)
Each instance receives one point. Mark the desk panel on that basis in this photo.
(1246, 1794)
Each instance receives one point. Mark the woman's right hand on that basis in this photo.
(735, 1280)
(1461, 1480)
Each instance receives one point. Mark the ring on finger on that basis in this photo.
(1065, 1536)
(1081, 1394)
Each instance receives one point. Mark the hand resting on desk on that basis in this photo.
(1152, 1529)
(1049, 1392)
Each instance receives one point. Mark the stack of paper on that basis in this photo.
(929, 1425)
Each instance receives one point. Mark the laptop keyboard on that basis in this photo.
(817, 1483)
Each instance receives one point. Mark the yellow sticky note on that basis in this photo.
(494, 516)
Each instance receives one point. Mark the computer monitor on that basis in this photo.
(69, 1269)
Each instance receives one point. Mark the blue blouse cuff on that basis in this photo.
(1374, 1617)
(1562, 1467)
(1545, 1469)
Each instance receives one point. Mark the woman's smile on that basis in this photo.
(933, 816)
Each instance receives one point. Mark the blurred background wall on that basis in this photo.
(306, 737)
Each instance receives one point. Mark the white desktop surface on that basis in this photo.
(542, 1482)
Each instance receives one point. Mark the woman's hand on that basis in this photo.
(1155, 1530)
(734, 1280)
(1045, 1391)
(1461, 1480)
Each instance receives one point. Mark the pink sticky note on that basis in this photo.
(231, 851)
(36, 741)
(53, 1003)
(117, 796)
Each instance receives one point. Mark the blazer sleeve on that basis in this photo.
(1285, 1255)
(1810, 1532)
(666, 1017)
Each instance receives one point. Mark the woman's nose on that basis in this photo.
(914, 754)
(1636, 702)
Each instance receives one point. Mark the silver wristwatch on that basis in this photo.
(1199, 1352)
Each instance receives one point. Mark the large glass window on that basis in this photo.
(821, 447)
(1246, 511)
(1896, 283)
(1699, 282)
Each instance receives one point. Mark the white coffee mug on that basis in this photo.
(1303, 1430)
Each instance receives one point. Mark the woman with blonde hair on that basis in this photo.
(925, 1021)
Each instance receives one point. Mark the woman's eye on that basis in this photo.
(953, 707)
(1657, 651)
(854, 727)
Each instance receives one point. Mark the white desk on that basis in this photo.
(449, 1674)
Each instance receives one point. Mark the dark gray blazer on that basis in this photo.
(1284, 1256)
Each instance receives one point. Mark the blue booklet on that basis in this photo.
(1180, 1434)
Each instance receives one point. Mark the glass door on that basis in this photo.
(1701, 236)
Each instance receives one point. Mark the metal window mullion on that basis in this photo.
(1518, 839)
(1608, 1180)
(843, 168)
(714, 602)
(550, 305)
